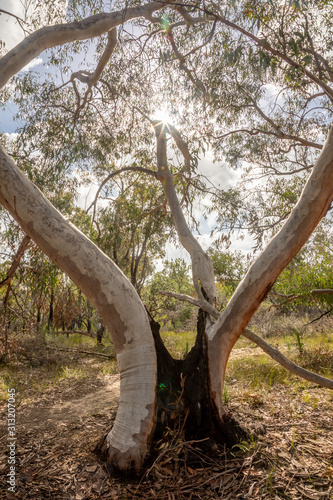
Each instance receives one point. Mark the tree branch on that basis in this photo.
(66, 349)
(321, 291)
(286, 363)
(268, 349)
(60, 34)
(92, 78)
(280, 135)
(198, 83)
(264, 44)
(17, 259)
(113, 174)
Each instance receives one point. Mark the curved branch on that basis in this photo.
(19, 19)
(202, 268)
(115, 299)
(280, 135)
(113, 174)
(60, 34)
(286, 363)
(181, 144)
(92, 78)
(311, 207)
(203, 304)
(198, 83)
(268, 349)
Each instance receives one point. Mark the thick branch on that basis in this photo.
(52, 36)
(286, 363)
(312, 206)
(181, 144)
(268, 349)
(114, 297)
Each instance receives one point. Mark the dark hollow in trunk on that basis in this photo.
(183, 387)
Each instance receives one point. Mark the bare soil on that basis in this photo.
(289, 454)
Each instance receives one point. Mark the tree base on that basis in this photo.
(185, 408)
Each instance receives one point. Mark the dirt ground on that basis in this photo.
(288, 456)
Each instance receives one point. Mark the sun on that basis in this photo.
(162, 115)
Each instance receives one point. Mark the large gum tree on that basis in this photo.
(214, 66)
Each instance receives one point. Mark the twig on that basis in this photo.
(100, 354)
(75, 331)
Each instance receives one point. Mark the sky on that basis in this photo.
(11, 34)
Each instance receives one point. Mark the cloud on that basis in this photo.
(10, 31)
(32, 64)
(11, 137)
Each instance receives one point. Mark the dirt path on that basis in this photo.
(103, 401)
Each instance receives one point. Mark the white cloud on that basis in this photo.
(32, 64)
(10, 31)
(11, 137)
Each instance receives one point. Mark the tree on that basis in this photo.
(222, 90)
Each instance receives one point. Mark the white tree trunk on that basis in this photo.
(202, 267)
(114, 298)
(311, 207)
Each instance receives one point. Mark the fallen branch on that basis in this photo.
(92, 335)
(67, 349)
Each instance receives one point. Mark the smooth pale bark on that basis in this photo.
(114, 298)
(311, 207)
(52, 36)
(202, 267)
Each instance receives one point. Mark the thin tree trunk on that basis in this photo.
(51, 310)
(202, 267)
